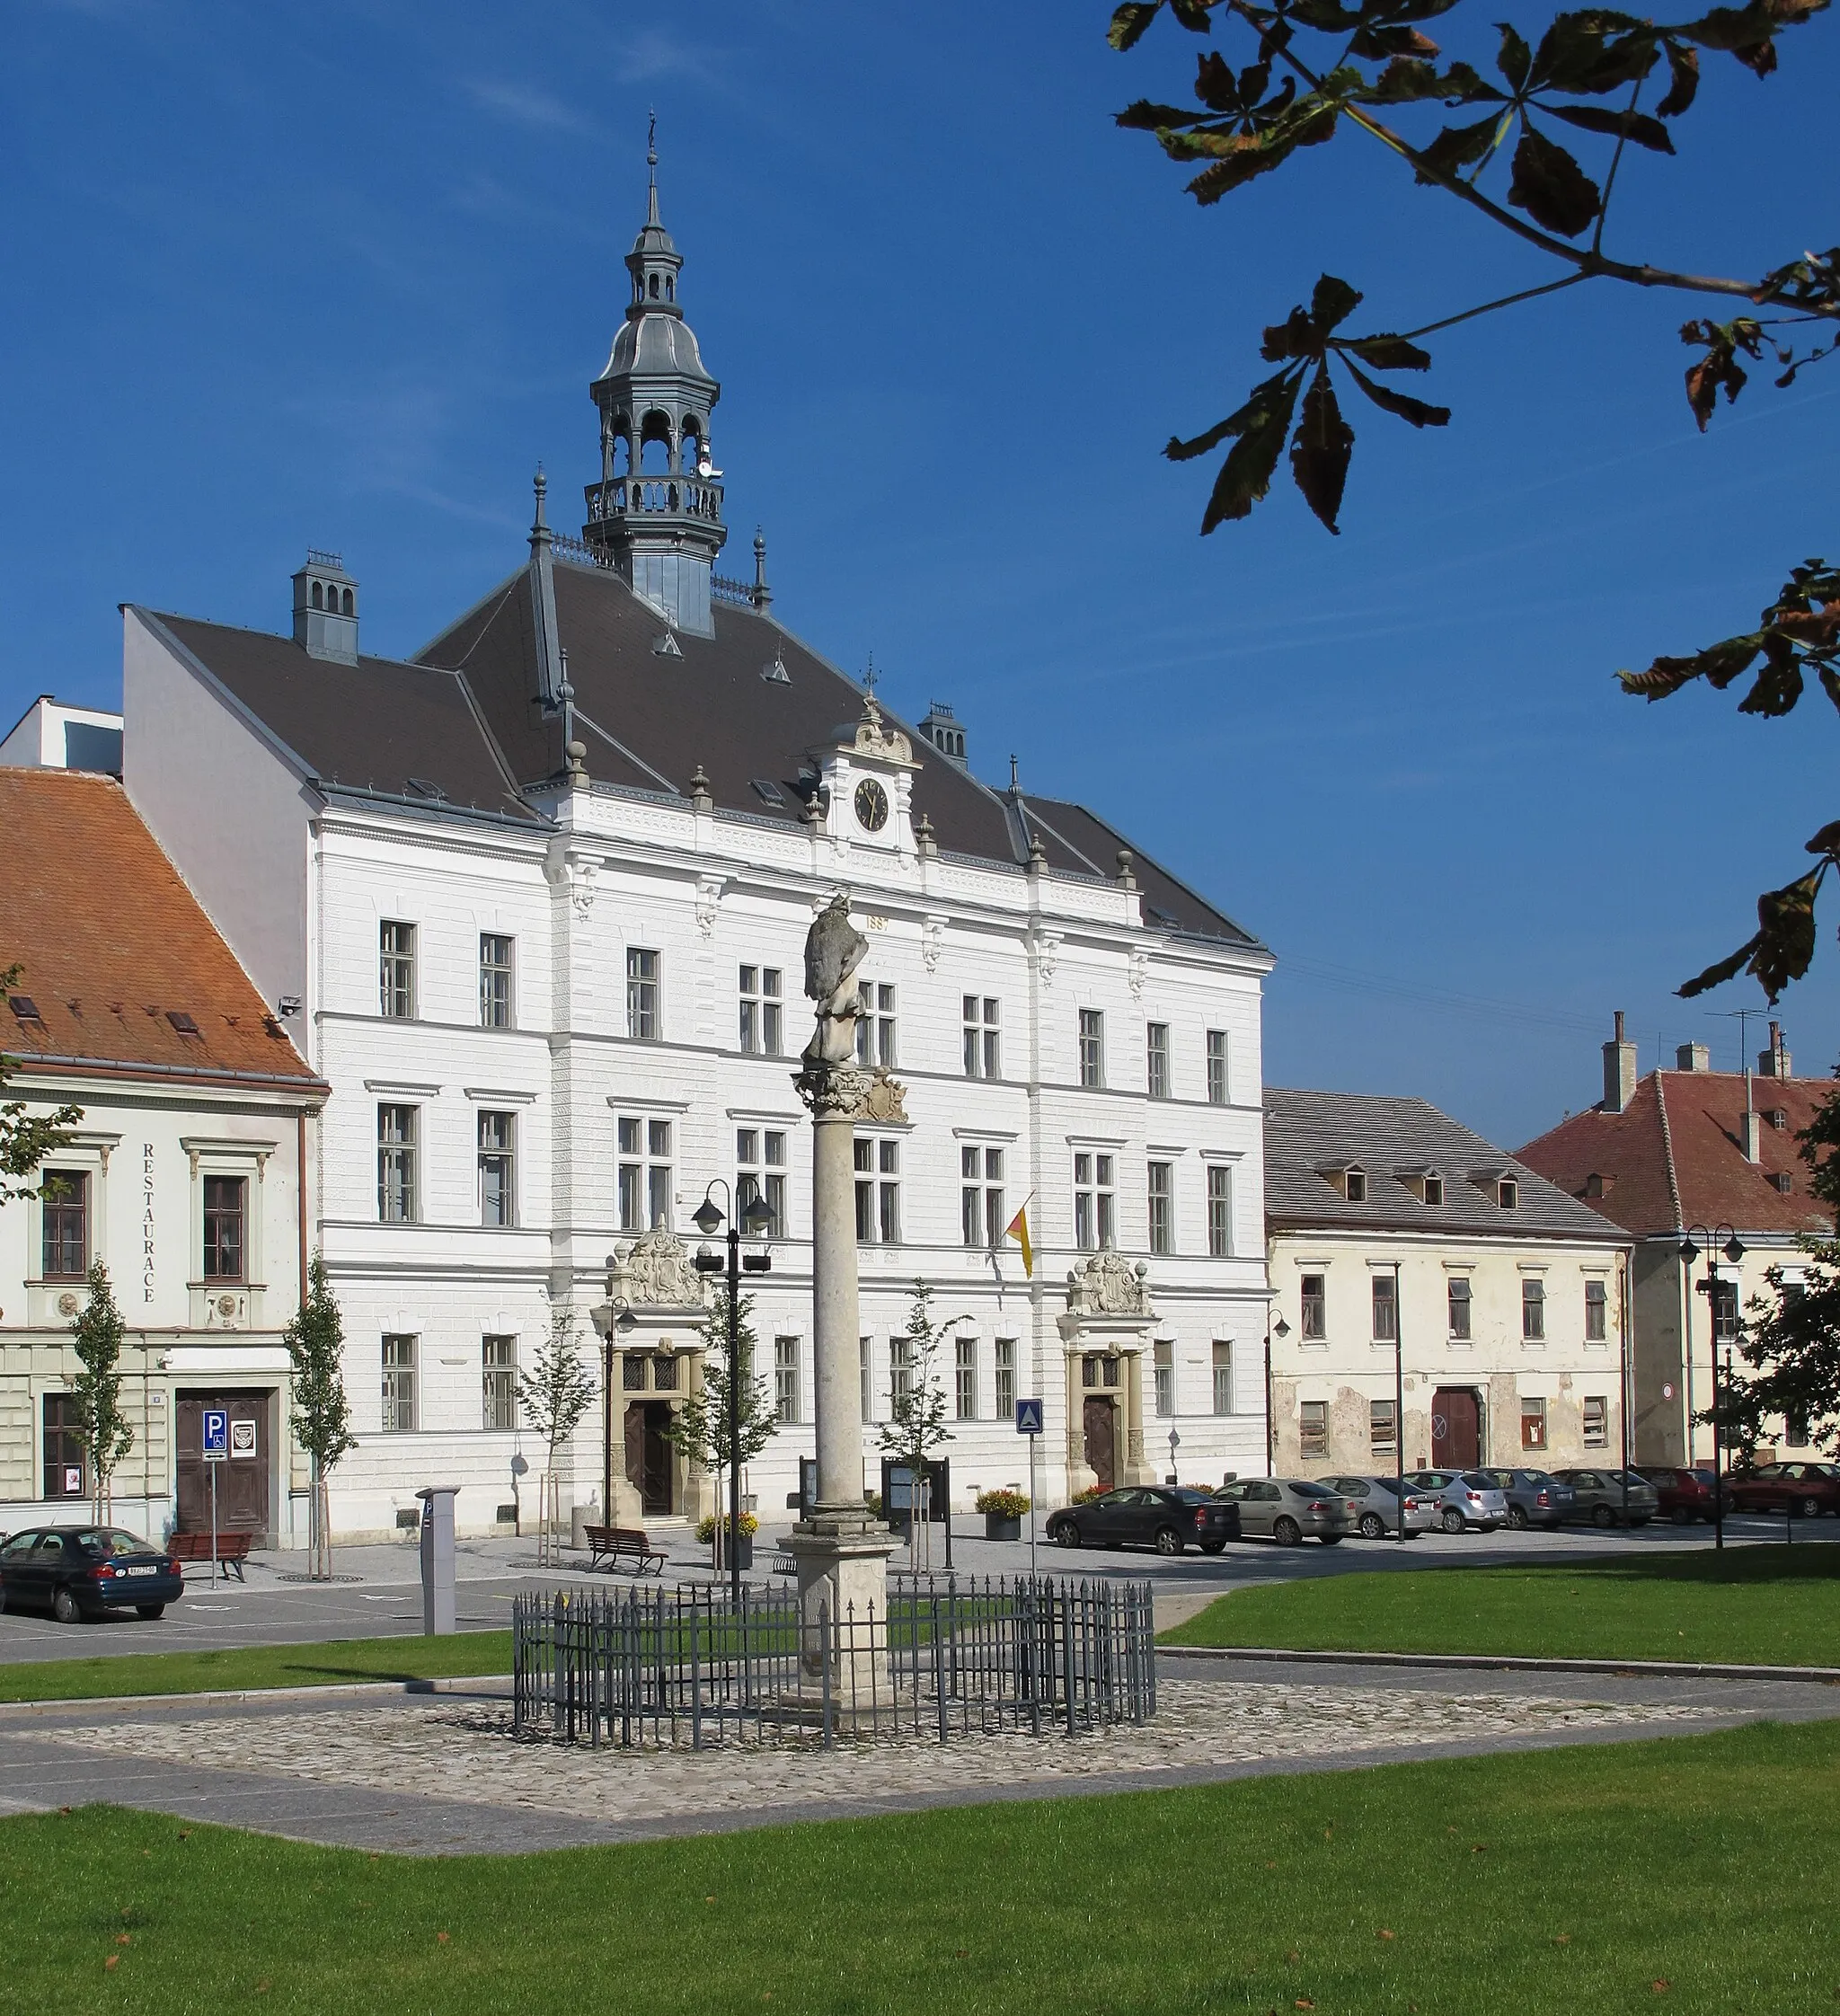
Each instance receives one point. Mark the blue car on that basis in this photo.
(78, 1572)
(1535, 1497)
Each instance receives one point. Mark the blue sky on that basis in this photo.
(341, 276)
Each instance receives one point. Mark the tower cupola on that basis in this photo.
(656, 513)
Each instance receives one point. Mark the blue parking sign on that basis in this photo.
(1027, 1417)
(215, 1434)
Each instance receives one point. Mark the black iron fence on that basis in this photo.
(949, 1657)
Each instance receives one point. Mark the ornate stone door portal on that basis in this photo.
(1104, 1334)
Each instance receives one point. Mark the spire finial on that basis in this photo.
(651, 216)
(1015, 776)
(540, 483)
(651, 143)
(871, 678)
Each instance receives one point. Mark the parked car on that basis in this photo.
(1681, 1495)
(78, 1572)
(1165, 1517)
(1535, 1497)
(1807, 1488)
(1603, 1494)
(1287, 1509)
(1466, 1497)
(1374, 1501)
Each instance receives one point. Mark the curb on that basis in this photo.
(381, 1689)
(1641, 1669)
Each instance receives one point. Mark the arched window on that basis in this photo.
(655, 444)
(653, 288)
(670, 287)
(348, 604)
(319, 600)
(620, 463)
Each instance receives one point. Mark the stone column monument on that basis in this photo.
(841, 1550)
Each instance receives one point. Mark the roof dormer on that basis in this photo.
(1425, 1182)
(866, 779)
(1501, 1185)
(1346, 1179)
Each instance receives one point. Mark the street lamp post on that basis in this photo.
(1280, 1330)
(1174, 1443)
(1733, 1251)
(757, 1214)
(1399, 1400)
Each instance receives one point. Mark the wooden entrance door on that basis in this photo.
(648, 1454)
(243, 1475)
(1457, 1429)
(1099, 1421)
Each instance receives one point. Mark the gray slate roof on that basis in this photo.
(1307, 1132)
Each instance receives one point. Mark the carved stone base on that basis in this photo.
(842, 1555)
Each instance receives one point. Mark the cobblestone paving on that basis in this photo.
(467, 1751)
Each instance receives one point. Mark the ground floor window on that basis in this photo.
(1533, 1423)
(399, 1385)
(499, 1373)
(865, 1359)
(785, 1378)
(67, 1464)
(1383, 1428)
(1596, 1422)
(1165, 1379)
(965, 1377)
(1222, 1378)
(1313, 1427)
(1004, 1354)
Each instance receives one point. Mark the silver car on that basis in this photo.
(1288, 1509)
(1374, 1501)
(1466, 1497)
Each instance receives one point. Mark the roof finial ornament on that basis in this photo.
(1015, 776)
(652, 141)
(870, 677)
(651, 216)
(540, 483)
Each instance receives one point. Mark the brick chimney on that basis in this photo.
(1774, 1062)
(1618, 1071)
(1693, 1056)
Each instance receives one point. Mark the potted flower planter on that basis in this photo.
(1003, 1525)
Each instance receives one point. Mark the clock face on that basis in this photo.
(871, 805)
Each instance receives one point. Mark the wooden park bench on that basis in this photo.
(233, 1550)
(615, 1544)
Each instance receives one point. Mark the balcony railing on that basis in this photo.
(626, 497)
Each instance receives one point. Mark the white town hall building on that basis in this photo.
(534, 905)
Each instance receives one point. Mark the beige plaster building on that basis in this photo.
(1409, 1258)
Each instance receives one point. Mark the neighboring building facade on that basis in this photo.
(1669, 1157)
(183, 1175)
(1394, 1231)
(544, 894)
(51, 736)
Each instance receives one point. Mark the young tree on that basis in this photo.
(98, 1332)
(700, 1429)
(26, 1138)
(915, 1426)
(1791, 1338)
(1367, 67)
(321, 1416)
(552, 1396)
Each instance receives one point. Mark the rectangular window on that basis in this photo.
(760, 1170)
(1216, 1068)
(1156, 1059)
(1724, 1311)
(1313, 1427)
(1004, 1368)
(980, 1195)
(1385, 1310)
(1093, 1201)
(1166, 1379)
(1457, 1296)
(396, 970)
(1533, 1423)
(64, 1198)
(1219, 1210)
(865, 1356)
(1316, 1307)
(67, 1464)
(498, 1363)
(225, 1197)
(1091, 1046)
(1596, 1422)
(399, 1385)
(494, 981)
(875, 1022)
(1795, 1432)
(645, 1173)
(785, 1378)
(965, 1377)
(877, 1192)
(396, 1193)
(1382, 1432)
(1596, 1312)
(642, 994)
(900, 1369)
(1222, 1378)
(760, 1004)
(1533, 1309)
(498, 1169)
(1161, 1190)
(983, 1056)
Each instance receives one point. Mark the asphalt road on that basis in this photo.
(384, 1597)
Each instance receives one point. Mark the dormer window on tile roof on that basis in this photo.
(1347, 1177)
(1426, 1184)
(1507, 1193)
(24, 1007)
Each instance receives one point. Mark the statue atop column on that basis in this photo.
(834, 950)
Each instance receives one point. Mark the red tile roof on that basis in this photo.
(1675, 1156)
(116, 955)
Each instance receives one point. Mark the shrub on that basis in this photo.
(1003, 1505)
(1088, 1494)
(705, 1531)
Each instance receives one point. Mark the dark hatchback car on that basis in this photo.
(1534, 1498)
(1605, 1496)
(1163, 1516)
(1805, 1489)
(78, 1572)
(1683, 1495)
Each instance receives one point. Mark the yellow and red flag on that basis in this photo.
(1018, 1230)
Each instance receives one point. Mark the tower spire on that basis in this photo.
(651, 216)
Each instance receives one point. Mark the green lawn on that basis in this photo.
(1750, 1605)
(1548, 1885)
(328, 1665)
